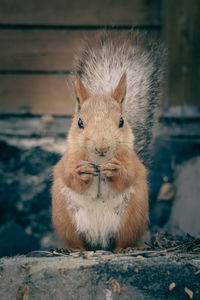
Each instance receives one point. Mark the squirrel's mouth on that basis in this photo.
(99, 158)
(102, 155)
(102, 151)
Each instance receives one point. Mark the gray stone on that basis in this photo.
(185, 216)
(109, 276)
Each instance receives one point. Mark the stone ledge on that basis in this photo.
(99, 275)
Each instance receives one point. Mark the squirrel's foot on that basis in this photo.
(117, 175)
(111, 168)
(79, 175)
(85, 171)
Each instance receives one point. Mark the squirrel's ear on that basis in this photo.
(120, 91)
(81, 93)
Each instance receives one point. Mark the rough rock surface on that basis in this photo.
(100, 275)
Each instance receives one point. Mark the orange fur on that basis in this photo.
(135, 220)
(120, 91)
(70, 175)
(61, 218)
(124, 177)
(119, 164)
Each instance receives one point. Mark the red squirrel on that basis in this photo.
(100, 190)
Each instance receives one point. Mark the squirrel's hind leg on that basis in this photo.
(62, 221)
(135, 222)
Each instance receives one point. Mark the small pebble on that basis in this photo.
(172, 286)
(88, 253)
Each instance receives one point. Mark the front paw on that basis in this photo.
(111, 168)
(85, 172)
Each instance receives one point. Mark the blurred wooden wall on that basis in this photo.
(181, 21)
(38, 40)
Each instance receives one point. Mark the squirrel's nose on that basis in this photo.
(101, 151)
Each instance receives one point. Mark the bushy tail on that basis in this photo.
(102, 63)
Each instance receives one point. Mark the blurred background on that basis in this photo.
(38, 40)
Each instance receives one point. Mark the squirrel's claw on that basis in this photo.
(86, 177)
(107, 173)
(84, 167)
(110, 168)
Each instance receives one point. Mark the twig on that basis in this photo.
(99, 186)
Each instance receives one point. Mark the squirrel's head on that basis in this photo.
(99, 127)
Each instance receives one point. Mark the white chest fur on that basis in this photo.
(97, 219)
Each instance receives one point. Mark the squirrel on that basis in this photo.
(100, 189)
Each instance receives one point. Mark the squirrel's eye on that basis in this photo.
(121, 122)
(80, 123)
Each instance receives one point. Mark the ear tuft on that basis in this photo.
(81, 93)
(120, 91)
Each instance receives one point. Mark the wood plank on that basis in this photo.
(80, 12)
(36, 94)
(182, 25)
(43, 50)
(39, 49)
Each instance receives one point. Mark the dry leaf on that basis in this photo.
(23, 293)
(136, 270)
(189, 292)
(166, 192)
(116, 286)
(172, 286)
(62, 272)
